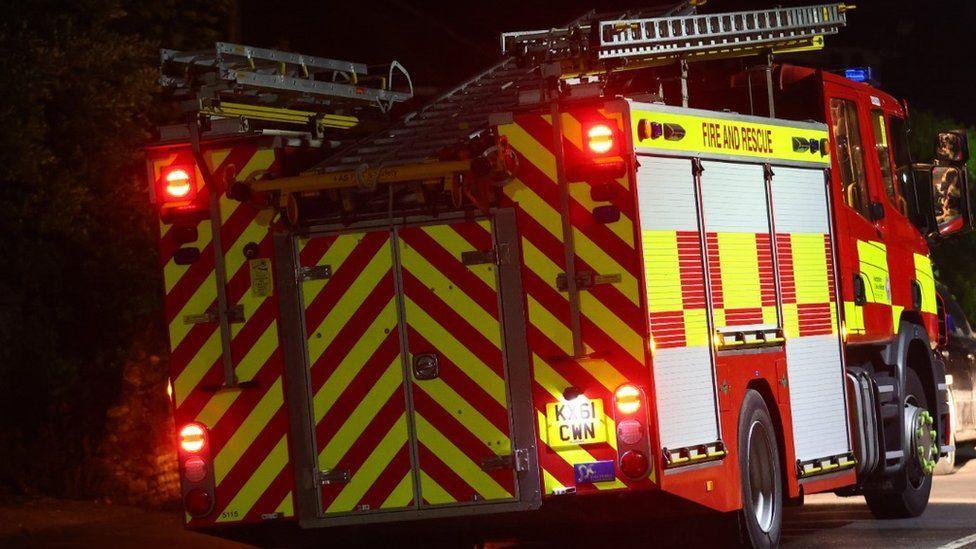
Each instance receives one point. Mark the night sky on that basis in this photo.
(920, 50)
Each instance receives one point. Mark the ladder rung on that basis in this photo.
(225, 49)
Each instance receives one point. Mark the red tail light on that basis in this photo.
(193, 438)
(628, 399)
(198, 502)
(178, 184)
(600, 139)
(634, 463)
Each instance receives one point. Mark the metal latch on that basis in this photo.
(518, 461)
(235, 315)
(587, 279)
(332, 476)
(319, 272)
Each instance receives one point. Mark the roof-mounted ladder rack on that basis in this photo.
(642, 41)
(279, 87)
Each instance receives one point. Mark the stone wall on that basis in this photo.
(136, 462)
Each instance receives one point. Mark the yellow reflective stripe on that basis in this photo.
(198, 304)
(450, 240)
(335, 256)
(246, 369)
(896, 316)
(740, 270)
(433, 493)
(480, 319)
(854, 317)
(353, 362)
(530, 148)
(401, 495)
(286, 507)
(539, 316)
(926, 281)
(462, 357)
(810, 268)
(550, 482)
(242, 439)
(375, 464)
(467, 415)
(610, 323)
(662, 271)
(172, 273)
(791, 320)
(257, 483)
(873, 260)
(198, 366)
(696, 327)
(460, 463)
(388, 384)
(349, 303)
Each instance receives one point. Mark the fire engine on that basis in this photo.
(635, 255)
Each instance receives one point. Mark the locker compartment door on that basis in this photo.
(356, 372)
(813, 345)
(684, 380)
(456, 359)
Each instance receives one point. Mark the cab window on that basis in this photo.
(882, 146)
(904, 176)
(850, 154)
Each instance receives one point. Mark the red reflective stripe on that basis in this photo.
(443, 475)
(388, 480)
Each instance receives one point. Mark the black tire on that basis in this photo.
(761, 518)
(912, 499)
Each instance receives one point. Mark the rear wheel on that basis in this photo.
(911, 500)
(761, 517)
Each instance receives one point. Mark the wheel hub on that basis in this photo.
(922, 438)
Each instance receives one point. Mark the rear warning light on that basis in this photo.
(628, 399)
(599, 138)
(178, 184)
(192, 438)
(634, 463)
(198, 502)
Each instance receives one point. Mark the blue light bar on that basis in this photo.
(858, 74)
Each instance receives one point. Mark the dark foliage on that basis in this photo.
(79, 280)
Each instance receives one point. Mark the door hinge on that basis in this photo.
(518, 461)
(331, 476)
(235, 315)
(587, 279)
(319, 272)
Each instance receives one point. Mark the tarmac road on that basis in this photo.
(824, 521)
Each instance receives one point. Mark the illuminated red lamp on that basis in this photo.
(193, 438)
(178, 184)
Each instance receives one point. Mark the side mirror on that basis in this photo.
(950, 200)
(952, 147)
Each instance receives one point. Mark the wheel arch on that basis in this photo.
(761, 386)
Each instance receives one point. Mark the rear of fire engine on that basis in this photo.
(581, 272)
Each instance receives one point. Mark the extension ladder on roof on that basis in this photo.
(234, 80)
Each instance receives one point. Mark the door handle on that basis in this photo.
(425, 366)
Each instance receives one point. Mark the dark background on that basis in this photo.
(80, 291)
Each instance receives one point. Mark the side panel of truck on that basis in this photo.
(247, 424)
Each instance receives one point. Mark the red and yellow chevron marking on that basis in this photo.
(461, 417)
(247, 426)
(807, 284)
(612, 323)
(357, 372)
(743, 261)
(675, 282)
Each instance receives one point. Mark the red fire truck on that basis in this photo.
(635, 255)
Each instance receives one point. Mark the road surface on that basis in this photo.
(824, 521)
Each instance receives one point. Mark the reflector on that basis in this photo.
(633, 464)
(198, 502)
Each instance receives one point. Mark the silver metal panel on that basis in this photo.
(734, 197)
(685, 391)
(683, 376)
(817, 397)
(798, 201)
(666, 194)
